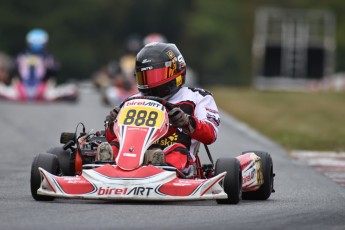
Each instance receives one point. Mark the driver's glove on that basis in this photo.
(180, 119)
(110, 119)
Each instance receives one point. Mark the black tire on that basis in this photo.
(232, 182)
(264, 192)
(48, 162)
(65, 162)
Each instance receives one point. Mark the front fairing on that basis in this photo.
(144, 183)
(139, 123)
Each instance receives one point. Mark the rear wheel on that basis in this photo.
(264, 192)
(232, 182)
(65, 162)
(50, 163)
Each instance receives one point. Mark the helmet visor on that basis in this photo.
(150, 78)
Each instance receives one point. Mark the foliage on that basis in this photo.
(84, 34)
(218, 44)
(214, 36)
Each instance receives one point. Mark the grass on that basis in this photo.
(296, 120)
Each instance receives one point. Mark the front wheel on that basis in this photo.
(232, 182)
(50, 163)
(65, 161)
(265, 190)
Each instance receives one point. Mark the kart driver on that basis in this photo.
(36, 61)
(160, 71)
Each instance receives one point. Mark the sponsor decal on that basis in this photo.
(129, 154)
(75, 180)
(213, 119)
(185, 182)
(179, 80)
(135, 103)
(146, 68)
(173, 59)
(152, 104)
(170, 54)
(246, 179)
(249, 166)
(146, 61)
(137, 191)
(217, 191)
(112, 191)
(181, 61)
(211, 110)
(249, 177)
(137, 129)
(72, 178)
(142, 191)
(252, 174)
(149, 103)
(168, 141)
(181, 183)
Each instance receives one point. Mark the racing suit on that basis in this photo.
(36, 66)
(176, 144)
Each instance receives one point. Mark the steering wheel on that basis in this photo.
(169, 106)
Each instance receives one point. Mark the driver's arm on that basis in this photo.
(205, 120)
(203, 124)
(204, 131)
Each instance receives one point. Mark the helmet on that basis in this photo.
(154, 37)
(37, 40)
(160, 69)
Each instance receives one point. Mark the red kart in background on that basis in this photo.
(72, 171)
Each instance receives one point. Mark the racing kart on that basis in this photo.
(30, 86)
(73, 171)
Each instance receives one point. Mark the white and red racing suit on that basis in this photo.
(177, 145)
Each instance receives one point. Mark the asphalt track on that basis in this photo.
(304, 198)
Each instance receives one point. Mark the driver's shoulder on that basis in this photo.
(199, 91)
(194, 95)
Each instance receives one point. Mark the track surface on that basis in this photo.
(304, 198)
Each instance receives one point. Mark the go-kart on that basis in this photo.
(73, 171)
(30, 86)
